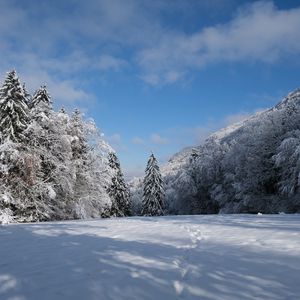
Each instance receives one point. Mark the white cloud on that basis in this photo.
(164, 54)
(134, 171)
(36, 71)
(49, 50)
(201, 133)
(235, 118)
(108, 62)
(259, 32)
(137, 141)
(181, 137)
(158, 139)
(115, 138)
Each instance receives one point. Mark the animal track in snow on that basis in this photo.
(182, 262)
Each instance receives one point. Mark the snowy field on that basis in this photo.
(224, 257)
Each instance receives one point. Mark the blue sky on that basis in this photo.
(155, 75)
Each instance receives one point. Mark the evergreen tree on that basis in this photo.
(40, 158)
(118, 190)
(42, 116)
(153, 197)
(13, 109)
(17, 164)
(41, 102)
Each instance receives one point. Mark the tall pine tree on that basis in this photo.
(118, 190)
(14, 120)
(13, 109)
(153, 197)
(40, 159)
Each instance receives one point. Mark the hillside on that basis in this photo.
(249, 166)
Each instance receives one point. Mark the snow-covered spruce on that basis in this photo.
(13, 109)
(117, 190)
(153, 197)
(41, 102)
(14, 158)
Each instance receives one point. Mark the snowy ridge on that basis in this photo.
(181, 158)
(232, 129)
(177, 161)
(292, 98)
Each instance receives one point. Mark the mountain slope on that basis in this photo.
(250, 166)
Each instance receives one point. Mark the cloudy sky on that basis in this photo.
(156, 75)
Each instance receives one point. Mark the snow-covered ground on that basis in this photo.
(183, 257)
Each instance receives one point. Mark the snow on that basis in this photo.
(51, 192)
(220, 257)
(6, 216)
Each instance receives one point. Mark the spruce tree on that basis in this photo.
(41, 102)
(153, 197)
(17, 166)
(42, 130)
(13, 109)
(118, 190)
(41, 118)
(42, 137)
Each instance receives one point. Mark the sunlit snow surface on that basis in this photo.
(184, 257)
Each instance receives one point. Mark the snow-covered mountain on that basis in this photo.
(250, 166)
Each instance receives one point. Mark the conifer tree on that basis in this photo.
(41, 102)
(40, 158)
(118, 190)
(153, 197)
(13, 109)
(42, 131)
(41, 117)
(15, 161)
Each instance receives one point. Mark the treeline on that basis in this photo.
(56, 166)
